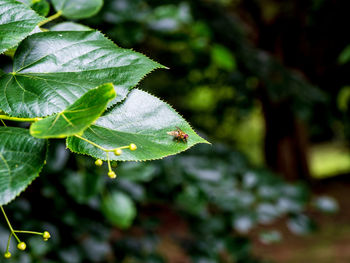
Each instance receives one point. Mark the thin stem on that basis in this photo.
(100, 147)
(7, 220)
(8, 242)
(124, 147)
(94, 144)
(3, 123)
(108, 162)
(5, 117)
(50, 18)
(9, 224)
(28, 232)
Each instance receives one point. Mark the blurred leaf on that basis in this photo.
(119, 209)
(223, 58)
(239, 248)
(326, 204)
(82, 186)
(138, 172)
(344, 56)
(96, 250)
(289, 205)
(267, 213)
(300, 224)
(38, 247)
(191, 201)
(243, 223)
(343, 99)
(169, 18)
(58, 157)
(329, 159)
(78, 9)
(70, 255)
(250, 180)
(268, 192)
(136, 191)
(270, 237)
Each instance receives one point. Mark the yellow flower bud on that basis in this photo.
(98, 162)
(112, 174)
(118, 151)
(46, 235)
(22, 246)
(7, 254)
(132, 147)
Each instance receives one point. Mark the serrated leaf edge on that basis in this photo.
(36, 176)
(22, 38)
(150, 159)
(158, 66)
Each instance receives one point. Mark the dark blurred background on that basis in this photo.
(267, 83)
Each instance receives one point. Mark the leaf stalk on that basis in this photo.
(50, 18)
(10, 226)
(6, 117)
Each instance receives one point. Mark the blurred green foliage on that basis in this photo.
(329, 160)
(210, 198)
(207, 200)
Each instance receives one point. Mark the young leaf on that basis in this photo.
(141, 119)
(77, 117)
(21, 159)
(16, 22)
(54, 69)
(77, 9)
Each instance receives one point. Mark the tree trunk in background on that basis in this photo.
(286, 140)
(286, 137)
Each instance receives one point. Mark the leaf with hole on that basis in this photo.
(77, 117)
(141, 119)
(53, 69)
(21, 159)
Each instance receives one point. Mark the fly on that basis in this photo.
(179, 135)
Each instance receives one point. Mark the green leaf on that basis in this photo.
(78, 9)
(16, 22)
(70, 26)
(141, 119)
(77, 117)
(21, 159)
(119, 209)
(54, 69)
(42, 7)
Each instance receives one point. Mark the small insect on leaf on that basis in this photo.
(179, 135)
